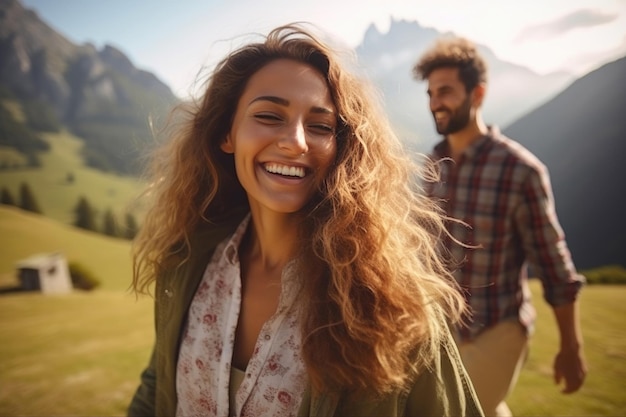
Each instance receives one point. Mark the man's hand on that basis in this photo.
(570, 366)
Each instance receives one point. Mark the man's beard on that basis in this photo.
(459, 118)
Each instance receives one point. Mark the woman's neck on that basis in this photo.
(271, 239)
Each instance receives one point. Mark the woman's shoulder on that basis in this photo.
(200, 242)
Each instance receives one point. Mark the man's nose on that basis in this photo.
(434, 103)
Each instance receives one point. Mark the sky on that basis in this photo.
(176, 39)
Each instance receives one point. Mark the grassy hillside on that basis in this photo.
(602, 308)
(57, 196)
(23, 234)
(78, 354)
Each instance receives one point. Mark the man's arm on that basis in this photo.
(569, 365)
(546, 249)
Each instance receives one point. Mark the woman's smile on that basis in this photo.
(285, 170)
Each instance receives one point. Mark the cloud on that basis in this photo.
(578, 19)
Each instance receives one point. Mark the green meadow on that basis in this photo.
(81, 354)
(602, 309)
(57, 194)
(76, 354)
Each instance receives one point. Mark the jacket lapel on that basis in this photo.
(174, 292)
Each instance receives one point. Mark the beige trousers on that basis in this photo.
(493, 361)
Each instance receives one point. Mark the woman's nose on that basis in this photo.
(294, 139)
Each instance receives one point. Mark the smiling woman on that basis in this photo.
(284, 143)
(296, 270)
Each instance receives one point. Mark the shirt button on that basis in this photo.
(169, 293)
(268, 337)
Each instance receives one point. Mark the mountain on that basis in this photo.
(580, 136)
(98, 94)
(388, 59)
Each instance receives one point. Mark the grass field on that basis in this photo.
(81, 354)
(602, 309)
(23, 234)
(78, 354)
(58, 197)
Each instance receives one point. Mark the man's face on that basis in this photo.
(450, 103)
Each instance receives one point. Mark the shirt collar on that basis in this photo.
(231, 251)
(441, 148)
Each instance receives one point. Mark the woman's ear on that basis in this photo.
(227, 145)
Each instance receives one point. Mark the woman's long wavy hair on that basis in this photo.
(377, 293)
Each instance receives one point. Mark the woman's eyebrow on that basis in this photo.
(273, 99)
(284, 102)
(322, 110)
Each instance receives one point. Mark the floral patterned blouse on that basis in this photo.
(275, 379)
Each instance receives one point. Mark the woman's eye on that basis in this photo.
(322, 128)
(266, 117)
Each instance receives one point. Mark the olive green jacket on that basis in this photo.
(445, 390)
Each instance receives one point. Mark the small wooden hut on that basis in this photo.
(46, 272)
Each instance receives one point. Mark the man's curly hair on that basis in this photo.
(453, 52)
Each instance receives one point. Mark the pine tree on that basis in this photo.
(131, 227)
(27, 199)
(6, 198)
(109, 225)
(84, 215)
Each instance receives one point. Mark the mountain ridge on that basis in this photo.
(579, 135)
(98, 94)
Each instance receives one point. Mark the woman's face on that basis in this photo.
(283, 135)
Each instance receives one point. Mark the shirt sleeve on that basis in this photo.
(543, 240)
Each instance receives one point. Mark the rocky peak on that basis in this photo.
(116, 59)
(98, 94)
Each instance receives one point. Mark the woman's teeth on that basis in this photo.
(285, 170)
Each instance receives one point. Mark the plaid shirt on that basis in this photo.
(503, 192)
